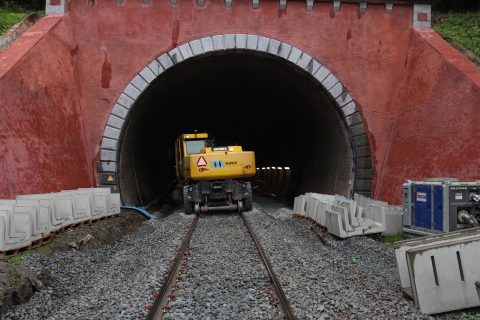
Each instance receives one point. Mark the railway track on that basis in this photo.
(161, 307)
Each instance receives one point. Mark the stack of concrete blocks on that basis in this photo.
(441, 272)
(347, 218)
(33, 217)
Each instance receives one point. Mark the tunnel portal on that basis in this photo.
(259, 101)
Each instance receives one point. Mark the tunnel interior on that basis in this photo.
(258, 101)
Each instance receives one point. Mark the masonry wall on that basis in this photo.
(366, 52)
(436, 132)
(42, 142)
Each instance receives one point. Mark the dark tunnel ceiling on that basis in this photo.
(260, 102)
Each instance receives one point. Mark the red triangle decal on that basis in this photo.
(201, 162)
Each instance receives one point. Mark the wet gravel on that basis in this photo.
(224, 277)
(349, 279)
(109, 282)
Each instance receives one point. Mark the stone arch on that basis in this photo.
(358, 140)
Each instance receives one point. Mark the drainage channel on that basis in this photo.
(160, 307)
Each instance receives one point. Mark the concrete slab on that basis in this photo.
(41, 216)
(47, 202)
(403, 246)
(443, 275)
(15, 229)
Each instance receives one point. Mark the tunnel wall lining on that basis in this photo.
(116, 123)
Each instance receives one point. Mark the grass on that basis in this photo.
(462, 28)
(9, 17)
(392, 238)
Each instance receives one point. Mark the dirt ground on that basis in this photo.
(17, 285)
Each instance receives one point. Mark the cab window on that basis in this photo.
(194, 146)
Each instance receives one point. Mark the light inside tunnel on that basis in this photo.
(260, 102)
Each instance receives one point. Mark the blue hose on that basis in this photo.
(140, 210)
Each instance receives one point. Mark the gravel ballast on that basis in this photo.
(355, 278)
(224, 277)
(109, 282)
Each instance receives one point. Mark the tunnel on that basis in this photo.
(259, 101)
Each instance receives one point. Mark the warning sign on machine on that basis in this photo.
(201, 162)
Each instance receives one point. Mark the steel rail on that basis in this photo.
(156, 312)
(285, 305)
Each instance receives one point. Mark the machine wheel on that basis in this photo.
(248, 201)
(187, 204)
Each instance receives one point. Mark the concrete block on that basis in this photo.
(120, 111)
(362, 7)
(107, 166)
(100, 201)
(228, 3)
(156, 67)
(147, 74)
(336, 90)
(389, 8)
(360, 140)
(334, 223)
(15, 229)
(41, 225)
(82, 209)
(274, 46)
(46, 202)
(229, 41)
(393, 220)
(240, 41)
(282, 5)
(255, 4)
(322, 74)
(207, 44)
(108, 155)
(299, 205)
(402, 247)
(139, 83)
(443, 275)
(330, 81)
(109, 144)
(218, 42)
(115, 122)
(132, 91)
(114, 204)
(336, 5)
(263, 44)
(294, 55)
(309, 5)
(186, 51)
(112, 133)
(363, 151)
(165, 61)
(344, 99)
(64, 209)
(353, 119)
(175, 55)
(311, 208)
(252, 42)
(125, 101)
(357, 129)
(57, 7)
(284, 50)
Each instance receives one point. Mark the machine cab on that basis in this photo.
(186, 145)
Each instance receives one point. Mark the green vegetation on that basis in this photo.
(462, 28)
(392, 238)
(468, 316)
(13, 11)
(10, 17)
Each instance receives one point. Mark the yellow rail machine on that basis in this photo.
(213, 178)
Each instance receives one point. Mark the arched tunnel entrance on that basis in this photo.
(303, 140)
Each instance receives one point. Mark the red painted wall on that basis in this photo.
(437, 122)
(417, 95)
(366, 52)
(42, 144)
